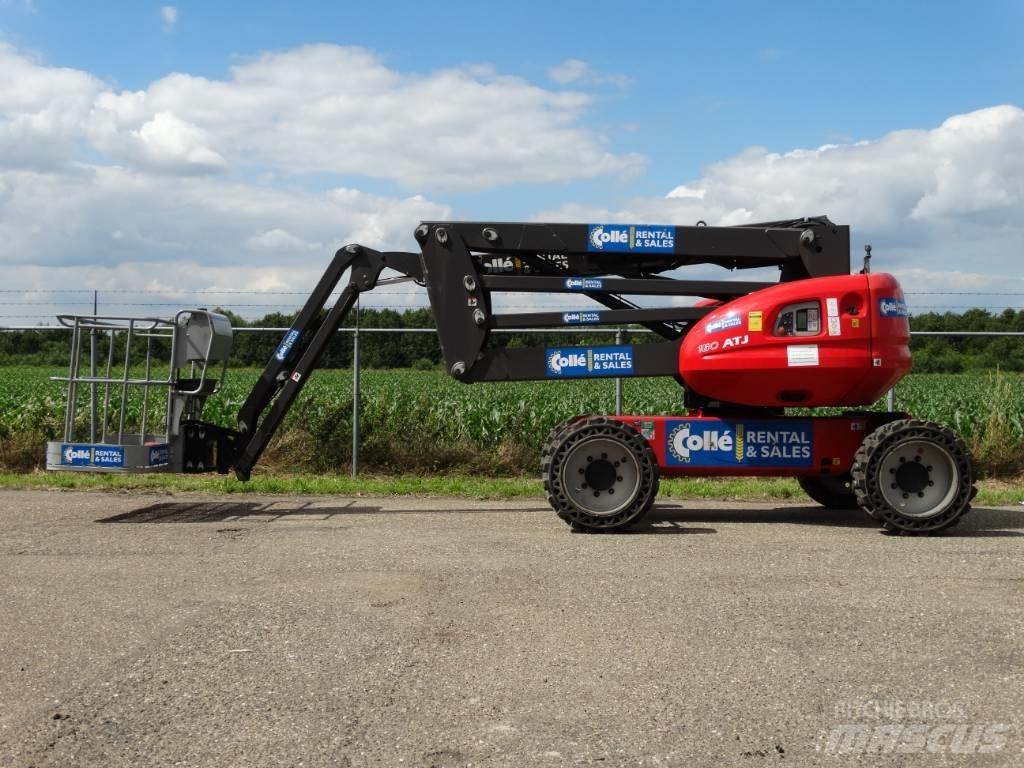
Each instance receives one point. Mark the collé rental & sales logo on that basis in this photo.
(107, 456)
(576, 318)
(893, 308)
(575, 362)
(625, 238)
(76, 455)
(731, 320)
(728, 443)
(159, 455)
(286, 345)
(92, 455)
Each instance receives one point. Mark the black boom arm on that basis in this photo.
(463, 263)
(302, 347)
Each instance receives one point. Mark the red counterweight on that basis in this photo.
(828, 341)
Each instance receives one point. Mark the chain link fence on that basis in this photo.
(617, 333)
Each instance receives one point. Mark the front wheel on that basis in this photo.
(914, 477)
(599, 474)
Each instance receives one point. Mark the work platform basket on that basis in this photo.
(133, 386)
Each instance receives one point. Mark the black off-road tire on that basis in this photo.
(568, 447)
(557, 430)
(832, 491)
(886, 489)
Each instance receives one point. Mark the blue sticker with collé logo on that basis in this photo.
(76, 455)
(286, 345)
(577, 318)
(630, 238)
(159, 455)
(729, 443)
(723, 323)
(578, 362)
(92, 455)
(893, 308)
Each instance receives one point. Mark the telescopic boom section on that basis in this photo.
(463, 263)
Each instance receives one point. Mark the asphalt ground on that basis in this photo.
(191, 630)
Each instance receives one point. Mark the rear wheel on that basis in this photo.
(599, 474)
(832, 491)
(914, 477)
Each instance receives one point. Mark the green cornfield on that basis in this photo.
(424, 421)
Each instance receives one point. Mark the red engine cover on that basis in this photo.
(824, 341)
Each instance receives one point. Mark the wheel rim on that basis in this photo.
(600, 476)
(918, 478)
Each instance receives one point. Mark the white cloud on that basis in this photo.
(41, 111)
(169, 15)
(944, 202)
(315, 109)
(191, 183)
(114, 228)
(580, 72)
(569, 71)
(684, 192)
(164, 142)
(281, 241)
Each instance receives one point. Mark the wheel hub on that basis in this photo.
(912, 476)
(919, 478)
(600, 474)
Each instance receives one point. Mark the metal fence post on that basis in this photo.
(355, 395)
(92, 370)
(618, 380)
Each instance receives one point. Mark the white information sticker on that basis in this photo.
(832, 307)
(833, 327)
(799, 355)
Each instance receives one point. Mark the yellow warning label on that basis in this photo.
(855, 322)
(753, 321)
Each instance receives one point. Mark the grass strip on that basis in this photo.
(990, 492)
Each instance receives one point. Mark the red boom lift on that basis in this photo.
(746, 354)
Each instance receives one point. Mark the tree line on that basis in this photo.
(932, 354)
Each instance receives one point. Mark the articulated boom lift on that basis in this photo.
(744, 353)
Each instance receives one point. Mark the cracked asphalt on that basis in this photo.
(191, 630)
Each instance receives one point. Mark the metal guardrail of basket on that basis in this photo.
(116, 362)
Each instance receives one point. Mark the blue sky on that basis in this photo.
(706, 79)
(666, 90)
